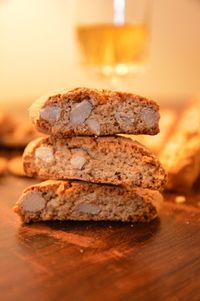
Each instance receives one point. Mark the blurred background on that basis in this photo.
(148, 47)
(38, 50)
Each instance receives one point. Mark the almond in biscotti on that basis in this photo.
(44, 154)
(94, 126)
(80, 112)
(32, 202)
(50, 113)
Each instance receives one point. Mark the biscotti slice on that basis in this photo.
(63, 200)
(181, 155)
(89, 112)
(114, 160)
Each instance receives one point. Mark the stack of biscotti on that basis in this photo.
(92, 173)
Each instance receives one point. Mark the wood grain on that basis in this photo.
(98, 260)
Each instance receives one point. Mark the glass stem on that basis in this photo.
(119, 11)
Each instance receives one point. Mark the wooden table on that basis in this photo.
(99, 260)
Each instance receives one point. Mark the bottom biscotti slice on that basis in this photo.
(112, 160)
(64, 200)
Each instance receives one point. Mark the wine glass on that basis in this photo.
(113, 36)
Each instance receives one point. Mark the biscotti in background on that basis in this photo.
(7, 123)
(20, 135)
(15, 134)
(3, 165)
(181, 154)
(15, 166)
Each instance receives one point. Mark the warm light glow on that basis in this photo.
(38, 53)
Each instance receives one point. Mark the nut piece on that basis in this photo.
(88, 208)
(32, 201)
(45, 154)
(94, 126)
(77, 161)
(80, 112)
(50, 113)
(149, 117)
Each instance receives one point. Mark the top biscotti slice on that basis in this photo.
(89, 112)
(114, 160)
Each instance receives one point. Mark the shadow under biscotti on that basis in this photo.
(101, 235)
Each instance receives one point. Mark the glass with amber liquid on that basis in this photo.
(113, 37)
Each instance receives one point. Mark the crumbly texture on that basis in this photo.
(15, 166)
(63, 200)
(181, 155)
(115, 160)
(89, 112)
(3, 165)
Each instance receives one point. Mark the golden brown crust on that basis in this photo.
(101, 96)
